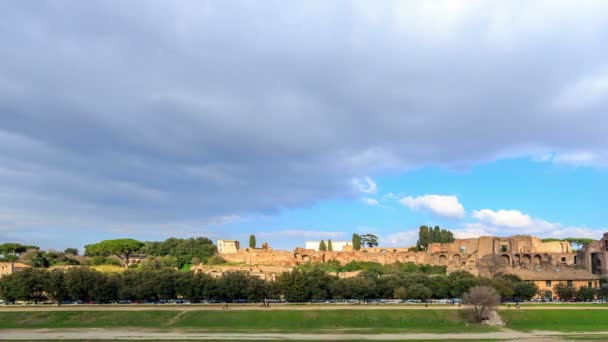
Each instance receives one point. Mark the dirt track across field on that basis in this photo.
(114, 334)
(237, 307)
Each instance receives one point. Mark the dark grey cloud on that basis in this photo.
(145, 111)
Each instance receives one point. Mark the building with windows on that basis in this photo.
(7, 268)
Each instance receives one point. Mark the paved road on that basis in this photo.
(103, 334)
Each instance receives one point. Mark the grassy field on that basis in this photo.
(557, 320)
(309, 321)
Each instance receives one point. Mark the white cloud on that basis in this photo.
(575, 158)
(587, 91)
(401, 239)
(503, 218)
(365, 185)
(440, 205)
(514, 222)
(370, 201)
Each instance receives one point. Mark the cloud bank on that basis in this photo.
(148, 111)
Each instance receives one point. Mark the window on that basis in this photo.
(569, 283)
(548, 283)
(563, 259)
(503, 248)
(589, 284)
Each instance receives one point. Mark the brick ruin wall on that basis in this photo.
(462, 254)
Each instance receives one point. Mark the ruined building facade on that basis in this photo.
(462, 254)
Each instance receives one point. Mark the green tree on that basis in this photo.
(81, 282)
(322, 246)
(55, 286)
(585, 294)
(419, 291)
(252, 242)
(193, 250)
(428, 235)
(13, 248)
(122, 248)
(370, 240)
(73, 251)
(564, 292)
(356, 242)
(27, 285)
(525, 290)
(400, 293)
(329, 245)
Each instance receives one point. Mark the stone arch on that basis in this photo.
(537, 259)
(505, 259)
(305, 258)
(516, 259)
(463, 264)
(456, 258)
(526, 259)
(296, 256)
(443, 259)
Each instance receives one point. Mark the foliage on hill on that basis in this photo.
(334, 266)
(186, 251)
(121, 248)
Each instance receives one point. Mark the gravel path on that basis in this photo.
(102, 334)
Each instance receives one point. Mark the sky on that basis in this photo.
(301, 121)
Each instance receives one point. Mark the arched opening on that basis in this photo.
(456, 259)
(537, 260)
(305, 258)
(525, 259)
(505, 259)
(443, 260)
(463, 264)
(296, 256)
(516, 260)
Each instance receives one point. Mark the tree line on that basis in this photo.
(300, 285)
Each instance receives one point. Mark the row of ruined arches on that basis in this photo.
(518, 259)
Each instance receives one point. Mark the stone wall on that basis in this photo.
(462, 254)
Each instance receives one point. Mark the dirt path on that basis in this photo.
(102, 334)
(196, 307)
(175, 319)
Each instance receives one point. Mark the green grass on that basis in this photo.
(308, 321)
(557, 320)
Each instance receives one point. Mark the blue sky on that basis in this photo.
(568, 197)
(301, 120)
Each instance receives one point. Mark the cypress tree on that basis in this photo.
(356, 242)
(252, 242)
(322, 246)
(329, 246)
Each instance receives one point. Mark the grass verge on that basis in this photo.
(306, 321)
(557, 320)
